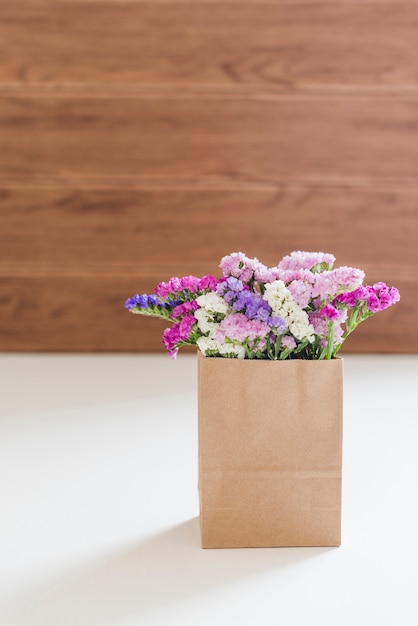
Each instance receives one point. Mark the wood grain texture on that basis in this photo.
(258, 137)
(131, 226)
(145, 138)
(90, 249)
(275, 44)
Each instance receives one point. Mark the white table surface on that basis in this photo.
(99, 504)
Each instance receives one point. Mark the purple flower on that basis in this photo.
(253, 305)
(242, 300)
(278, 323)
(153, 300)
(229, 288)
(263, 313)
(137, 300)
(234, 284)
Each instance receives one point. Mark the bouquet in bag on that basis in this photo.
(302, 308)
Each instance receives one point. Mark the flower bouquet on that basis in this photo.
(302, 308)
(270, 416)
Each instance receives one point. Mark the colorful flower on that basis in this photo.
(302, 308)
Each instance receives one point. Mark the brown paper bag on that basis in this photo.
(270, 452)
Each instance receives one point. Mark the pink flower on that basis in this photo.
(263, 274)
(301, 292)
(239, 266)
(238, 327)
(307, 260)
(330, 284)
(288, 342)
(319, 323)
(288, 276)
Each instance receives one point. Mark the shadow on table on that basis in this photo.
(167, 569)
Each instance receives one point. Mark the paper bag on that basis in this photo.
(270, 452)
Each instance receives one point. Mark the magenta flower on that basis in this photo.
(190, 284)
(184, 308)
(377, 297)
(380, 297)
(352, 298)
(178, 334)
(207, 283)
(331, 313)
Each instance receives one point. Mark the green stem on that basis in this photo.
(277, 347)
(330, 346)
(162, 316)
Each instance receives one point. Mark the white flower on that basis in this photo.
(208, 343)
(213, 303)
(204, 322)
(283, 305)
(229, 348)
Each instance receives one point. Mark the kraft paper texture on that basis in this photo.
(270, 452)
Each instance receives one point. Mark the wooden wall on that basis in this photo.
(144, 139)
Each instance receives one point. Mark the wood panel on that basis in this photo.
(245, 137)
(146, 226)
(272, 44)
(145, 138)
(92, 248)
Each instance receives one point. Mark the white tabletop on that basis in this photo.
(99, 503)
